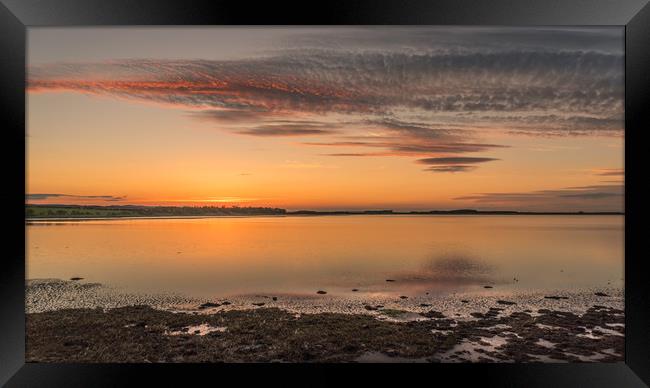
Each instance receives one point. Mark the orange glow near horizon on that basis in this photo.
(376, 127)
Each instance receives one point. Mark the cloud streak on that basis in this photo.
(454, 160)
(46, 196)
(595, 197)
(420, 92)
(273, 130)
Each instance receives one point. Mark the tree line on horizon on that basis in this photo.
(63, 211)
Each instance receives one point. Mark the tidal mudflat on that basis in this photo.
(575, 326)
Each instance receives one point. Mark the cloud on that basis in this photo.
(465, 39)
(515, 89)
(232, 116)
(610, 172)
(595, 195)
(454, 160)
(594, 198)
(423, 92)
(353, 154)
(451, 168)
(108, 198)
(288, 130)
(453, 163)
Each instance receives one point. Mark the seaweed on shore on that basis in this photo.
(144, 334)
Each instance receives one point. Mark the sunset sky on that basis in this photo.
(327, 118)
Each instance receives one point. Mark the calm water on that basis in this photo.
(221, 256)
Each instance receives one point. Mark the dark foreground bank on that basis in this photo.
(143, 334)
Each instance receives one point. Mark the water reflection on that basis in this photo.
(222, 256)
(458, 267)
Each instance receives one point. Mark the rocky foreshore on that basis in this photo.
(71, 321)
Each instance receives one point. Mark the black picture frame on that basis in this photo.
(17, 15)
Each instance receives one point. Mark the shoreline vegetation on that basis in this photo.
(35, 212)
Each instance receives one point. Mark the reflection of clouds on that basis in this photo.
(458, 268)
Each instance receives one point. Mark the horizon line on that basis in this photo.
(369, 211)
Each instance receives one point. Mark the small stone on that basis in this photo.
(321, 292)
(275, 298)
(259, 304)
(505, 302)
(76, 278)
(600, 294)
(355, 289)
(488, 287)
(208, 305)
(390, 280)
(403, 297)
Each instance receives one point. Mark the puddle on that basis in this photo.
(201, 329)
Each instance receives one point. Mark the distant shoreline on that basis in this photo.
(63, 219)
(80, 212)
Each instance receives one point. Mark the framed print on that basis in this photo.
(449, 188)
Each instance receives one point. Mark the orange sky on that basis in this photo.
(342, 118)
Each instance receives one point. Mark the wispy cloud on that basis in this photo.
(420, 92)
(46, 196)
(610, 172)
(453, 163)
(210, 200)
(289, 129)
(594, 197)
(454, 160)
(451, 168)
(572, 92)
